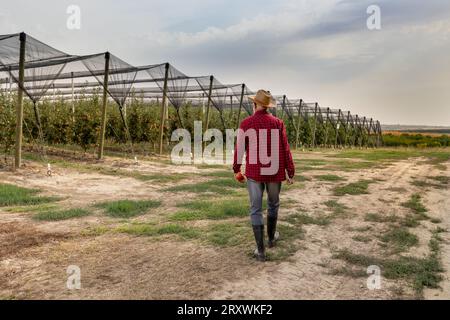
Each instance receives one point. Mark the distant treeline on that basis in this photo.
(416, 140)
(425, 131)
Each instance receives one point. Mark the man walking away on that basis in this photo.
(259, 135)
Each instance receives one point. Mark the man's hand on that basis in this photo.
(239, 177)
(290, 180)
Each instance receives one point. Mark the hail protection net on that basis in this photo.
(290, 107)
(121, 75)
(177, 83)
(43, 64)
(220, 93)
(53, 74)
(246, 102)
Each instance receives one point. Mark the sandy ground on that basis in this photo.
(35, 255)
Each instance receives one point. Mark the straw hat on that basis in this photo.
(264, 98)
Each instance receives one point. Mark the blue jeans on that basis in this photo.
(255, 192)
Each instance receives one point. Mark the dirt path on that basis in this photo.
(308, 276)
(118, 266)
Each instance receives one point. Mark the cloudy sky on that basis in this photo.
(318, 50)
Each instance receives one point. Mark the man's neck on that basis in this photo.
(260, 109)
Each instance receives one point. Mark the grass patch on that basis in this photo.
(411, 221)
(337, 208)
(213, 210)
(32, 208)
(110, 171)
(361, 229)
(438, 182)
(346, 165)
(415, 204)
(329, 178)
(213, 186)
(400, 239)
(301, 218)
(229, 234)
(11, 195)
(287, 245)
(57, 215)
(128, 208)
(355, 188)
(220, 174)
(154, 177)
(95, 231)
(310, 164)
(393, 154)
(151, 230)
(376, 217)
(441, 179)
(361, 238)
(420, 272)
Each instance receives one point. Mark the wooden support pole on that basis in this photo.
(231, 107)
(358, 135)
(208, 105)
(163, 109)
(10, 85)
(346, 128)
(380, 134)
(326, 126)
(283, 106)
(19, 110)
(104, 106)
(73, 98)
(299, 118)
(338, 125)
(313, 136)
(202, 114)
(241, 102)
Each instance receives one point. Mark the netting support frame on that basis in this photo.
(241, 102)
(104, 106)
(208, 105)
(299, 119)
(19, 110)
(163, 109)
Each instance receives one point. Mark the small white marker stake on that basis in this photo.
(135, 161)
(49, 170)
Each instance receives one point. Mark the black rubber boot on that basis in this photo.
(271, 229)
(258, 231)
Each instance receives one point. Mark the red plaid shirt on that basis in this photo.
(264, 120)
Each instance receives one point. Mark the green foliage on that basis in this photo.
(400, 239)
(128, 208)
(11, 195)
(7, 124)
(64, 122)
(57, 215)
(355, 188)
(150, 230)
(416, 140)
(202, 209)
(421, 272)
(220, 186)
(329, 177)
(415, 204)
